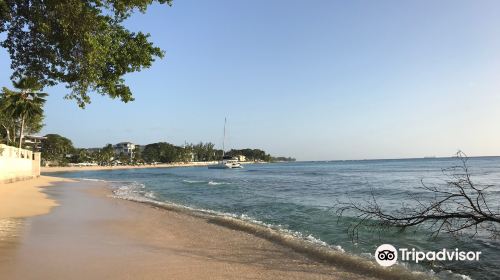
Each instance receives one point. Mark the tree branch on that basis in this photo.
(457, 207)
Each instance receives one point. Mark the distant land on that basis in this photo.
(58, 150)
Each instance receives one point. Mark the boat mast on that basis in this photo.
(224, 139)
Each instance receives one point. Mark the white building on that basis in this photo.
(125, 148)
(34, 142)
(241, 158)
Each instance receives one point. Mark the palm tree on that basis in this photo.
(25, 104)
(5, 122)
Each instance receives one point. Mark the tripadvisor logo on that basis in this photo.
(387, 255)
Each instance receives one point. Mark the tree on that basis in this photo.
(203, 151)
(82, 44)
(285, 159)
(162, 152)
(9, 125)
(459, 207)
(251, 154)
(55, 148)
(151, 153)
(25, 105)
(81, 155)
(107, 154)
(137, 154)
(34, 125)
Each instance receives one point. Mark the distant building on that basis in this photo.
(93, 150)
(125, 148)
(34, 142)
(241, 158)
(190, 156)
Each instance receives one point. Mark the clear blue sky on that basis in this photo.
(311, 79)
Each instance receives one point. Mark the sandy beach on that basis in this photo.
(90, 235)
(54, 169)
(25, 198)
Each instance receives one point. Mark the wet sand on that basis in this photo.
(92, 236)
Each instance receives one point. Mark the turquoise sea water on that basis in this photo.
(297, 198)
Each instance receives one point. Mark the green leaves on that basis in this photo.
(26, 103)
(82, 44)
(56, 147)
(23, 107)
(161, 152)
(251, 154)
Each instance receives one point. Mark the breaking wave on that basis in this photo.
(210, 183)
(132, 191)
(93, 180)
(305, 244)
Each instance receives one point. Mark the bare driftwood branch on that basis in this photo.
(458, 207)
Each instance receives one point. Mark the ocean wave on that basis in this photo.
(448, 274)
(92, 180)
(305, 244)
(193, 181)
(131, 190)
(211, 183)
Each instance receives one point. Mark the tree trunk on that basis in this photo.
(14, 134)
(21, 133)
(7, 131)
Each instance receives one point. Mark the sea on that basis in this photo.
(300, 199)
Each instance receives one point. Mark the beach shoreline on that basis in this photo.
(90, 234)
(25, 198)
(55, 169)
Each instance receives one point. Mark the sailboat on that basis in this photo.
(226, 162)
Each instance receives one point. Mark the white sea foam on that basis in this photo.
(339, 248)
(448, 274)
(192, 181)
(136, 192)
(212, 183)
(307, 244)
(92, 180)
(367, 255)
(150, 195)
(132, 191)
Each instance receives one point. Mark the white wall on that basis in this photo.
(18, 164)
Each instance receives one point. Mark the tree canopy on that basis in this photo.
(204, 151)
(23, 108)
(9, 126)
(82, 44)
(59, 150)
(162, 152)
(106, 154)
(56, 147)
(251, 154)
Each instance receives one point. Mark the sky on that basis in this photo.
(315, 80)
